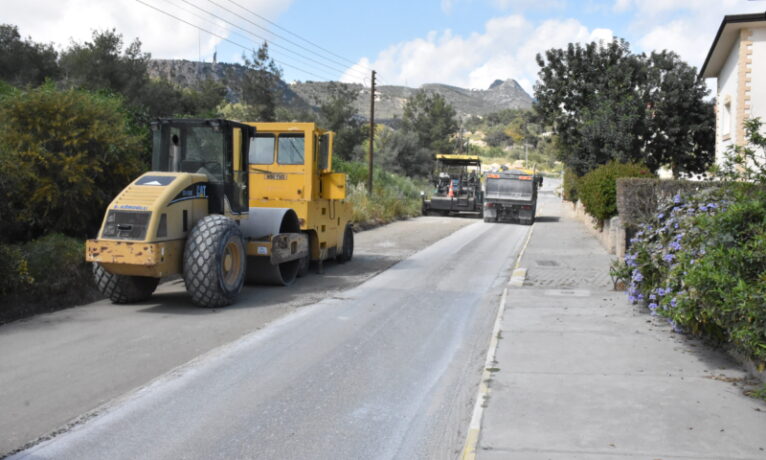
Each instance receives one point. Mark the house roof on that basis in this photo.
(727, 35)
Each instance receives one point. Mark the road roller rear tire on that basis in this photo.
(214, 262)
(304, 263)
(348, 246)
(124, 288)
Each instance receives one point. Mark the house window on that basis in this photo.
(726, 118)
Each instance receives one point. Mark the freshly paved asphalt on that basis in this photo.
(387, 369)
(55, 367)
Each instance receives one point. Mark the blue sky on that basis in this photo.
(467, 43)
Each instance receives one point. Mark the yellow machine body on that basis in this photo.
(291, 167)
(145, 226)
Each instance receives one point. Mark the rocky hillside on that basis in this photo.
(390, 100)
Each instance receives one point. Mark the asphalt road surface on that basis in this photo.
(381, 366)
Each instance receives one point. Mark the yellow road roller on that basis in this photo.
(226, 202)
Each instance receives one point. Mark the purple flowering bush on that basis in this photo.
(701, 264)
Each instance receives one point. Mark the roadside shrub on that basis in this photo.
(57, 264)
(14, 270)
(598, 189)
(701, 263)
(356, 171)
(394, 196)
(44, 274)
(638, 198)
(569, 185)
(63, 156)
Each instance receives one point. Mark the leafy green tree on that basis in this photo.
(205, 98)
(398, 151)
(161, 98)
(575, 93)
(607, 104)
(24, 62)
(260, 85)
(103, 64)
(495, 136)
(63, 156)
(681, 124)
(433, 119)
(746, 162)
(338, 113)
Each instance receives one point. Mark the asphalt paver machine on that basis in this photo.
(457, 184)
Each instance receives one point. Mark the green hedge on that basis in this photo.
(44, 274)
(569, 185)
(597, 190)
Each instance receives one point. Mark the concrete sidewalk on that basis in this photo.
(581, 374)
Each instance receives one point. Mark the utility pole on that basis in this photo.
(372, 135)
(526, 163)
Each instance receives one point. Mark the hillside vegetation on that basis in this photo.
(390, 99)
(74, 130)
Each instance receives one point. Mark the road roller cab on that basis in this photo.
(196, 213)
(291, 167)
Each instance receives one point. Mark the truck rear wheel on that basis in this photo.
(348, 246)
(214, 261)
(123, 288)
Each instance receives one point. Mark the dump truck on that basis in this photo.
(457, 184)
(225, 202)
(511, 196)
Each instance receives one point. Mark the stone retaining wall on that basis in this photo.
(612, 236)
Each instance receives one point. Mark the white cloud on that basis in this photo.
(505, 49)
(60, 21)
(447, 6)
(622, 5)
(688, 28)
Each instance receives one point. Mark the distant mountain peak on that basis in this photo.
(496, 83)
(510, 84)
(390, 99)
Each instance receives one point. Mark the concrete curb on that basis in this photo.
(518, 277)
(474, 428)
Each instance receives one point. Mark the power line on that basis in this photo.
(227, 31)
(296, 35)
(280, 36)
(247, 48)
(324, 64)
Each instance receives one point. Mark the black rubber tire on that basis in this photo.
(124, 288)
(303, 266)
(215, 242)
(348, 246)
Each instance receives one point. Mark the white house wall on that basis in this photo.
(727, 93)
